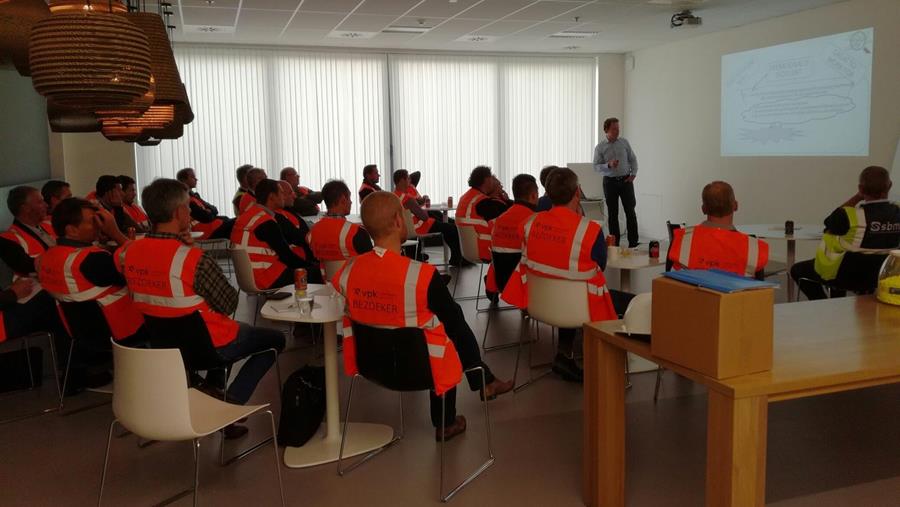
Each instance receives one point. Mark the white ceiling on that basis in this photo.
(505, 25)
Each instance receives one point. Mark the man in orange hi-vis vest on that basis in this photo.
(205, 217)
(423, 223)
(506, 239)
(560, 243)
(173, 283)
(333, 237)
(254, 176)
(715, 243)
(387, 291)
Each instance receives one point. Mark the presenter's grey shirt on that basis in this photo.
(617, 150)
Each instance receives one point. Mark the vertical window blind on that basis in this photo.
(330, 113)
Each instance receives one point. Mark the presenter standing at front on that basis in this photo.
(615, 160)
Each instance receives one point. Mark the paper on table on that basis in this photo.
(34, 290)
(285, 305)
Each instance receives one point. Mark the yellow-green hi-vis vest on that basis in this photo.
(832, 248)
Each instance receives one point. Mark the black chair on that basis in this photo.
(26, 345)
(90, 332)
(190, 336)
(399, 362)
(861, 278)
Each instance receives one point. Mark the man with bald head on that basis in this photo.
(857, 237)
(715, 243)
(386, 292)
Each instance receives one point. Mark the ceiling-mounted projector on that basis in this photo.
(685, 17)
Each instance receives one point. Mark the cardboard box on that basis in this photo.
(717, 334)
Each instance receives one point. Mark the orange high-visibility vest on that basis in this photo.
(366, 186)
(266, 265)
(507, 234)
(413, 192)
(160, 275)
(137, 214)
(92, 196)
(247, 200)
(32, 246)
(303, 192)
(2, 328)
(59, 270)
(391, 292)
(47, 225)
(704, 247)
(295, 221)
(557, 244)
(208, 228)
(467, 215)
(331, 238)
(421, 226)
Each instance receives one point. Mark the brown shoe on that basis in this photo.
(458, 427)
(496, 388)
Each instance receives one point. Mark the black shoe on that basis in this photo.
(493, 297)
(460, 263)
(233, 431)
(567, 368)
(634, 245)
(446, 279)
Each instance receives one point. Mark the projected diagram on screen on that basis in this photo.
(803, 98)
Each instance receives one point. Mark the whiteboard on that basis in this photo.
(591, 181)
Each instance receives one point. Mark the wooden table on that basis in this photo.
(775, 232)
(820, 347)
(631, 262)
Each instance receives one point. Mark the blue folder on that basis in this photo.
(718, 280)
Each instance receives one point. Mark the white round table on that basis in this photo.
(802, 232)
(323, 447)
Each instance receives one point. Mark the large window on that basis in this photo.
(329, 114)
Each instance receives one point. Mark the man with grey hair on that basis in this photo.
(182, 292)
(305, 201)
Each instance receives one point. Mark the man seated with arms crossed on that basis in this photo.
(371, 176)
(241, 174)
(333, 237)
(254, 176)
(423, 223)
(205, 217)
(257, 230)
(715, 243)
(506, 238)
(856, 240)
(53, 192)
(392, 277)
(294, 228)
(129, 202)
(562, 244)
(169, 278)
(477, 208)
(111, 197)
(304, 201)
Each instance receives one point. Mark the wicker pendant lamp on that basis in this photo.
(89, 58)
(16, 19)
(169, 88)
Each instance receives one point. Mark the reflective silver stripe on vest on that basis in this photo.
(168, 302)
(71, 284)
(410, 304)
(567, 274)
(113, 297)
(259, 250)
(752, 255)
(176, 269)
(467, 219)
(21, 240)
(684, 253)
(436, 350)
(342, 239)
(503, 249)
(260, 265)
(345, 276)
(245, 234)
(577, 241)
(595, 290)
(860, 231)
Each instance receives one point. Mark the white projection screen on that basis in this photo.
(805, 98)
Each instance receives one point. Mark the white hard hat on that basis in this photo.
(637, 316)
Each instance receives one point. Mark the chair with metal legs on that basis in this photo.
(151, 399)
(399, 362)
(243, 271)
(26, 344)
(468, 245)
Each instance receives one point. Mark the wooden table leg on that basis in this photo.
(736, 451)
(604, 424)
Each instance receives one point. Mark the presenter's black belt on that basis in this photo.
(617, 178)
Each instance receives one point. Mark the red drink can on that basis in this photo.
(654, 249)
(450, 202)
(300, 285)
(611, 240)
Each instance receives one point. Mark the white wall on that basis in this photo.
(672, 121)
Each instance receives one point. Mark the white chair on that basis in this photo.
(468, 245)
(243, 271)
(151, 399)
(26, 345)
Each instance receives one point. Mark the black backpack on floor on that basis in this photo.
(302, 406)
